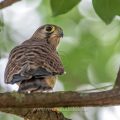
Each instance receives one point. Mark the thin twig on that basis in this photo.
(117, 82)
(6, 3)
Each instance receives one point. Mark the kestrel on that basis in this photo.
(35, 64)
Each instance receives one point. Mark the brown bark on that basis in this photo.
(6, 3)
(59, 99)
(24, 104)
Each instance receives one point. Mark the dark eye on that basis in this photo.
(50, 29)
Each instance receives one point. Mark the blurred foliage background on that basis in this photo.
(90, 49)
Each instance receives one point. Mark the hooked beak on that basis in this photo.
(61, 32)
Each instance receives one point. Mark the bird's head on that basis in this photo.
(49, 32)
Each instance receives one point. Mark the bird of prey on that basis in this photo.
(35, 64)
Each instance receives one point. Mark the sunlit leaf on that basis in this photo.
(107, 9)
(62, 6)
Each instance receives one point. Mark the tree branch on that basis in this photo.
(6, 3)
(59, 99)
(23, 104)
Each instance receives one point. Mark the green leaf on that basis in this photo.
(62, 6)
(107, 9)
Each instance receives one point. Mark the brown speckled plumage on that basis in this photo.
(35, 61)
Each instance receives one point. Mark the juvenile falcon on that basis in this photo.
(35, 63)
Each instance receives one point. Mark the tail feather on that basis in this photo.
(34, 84)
